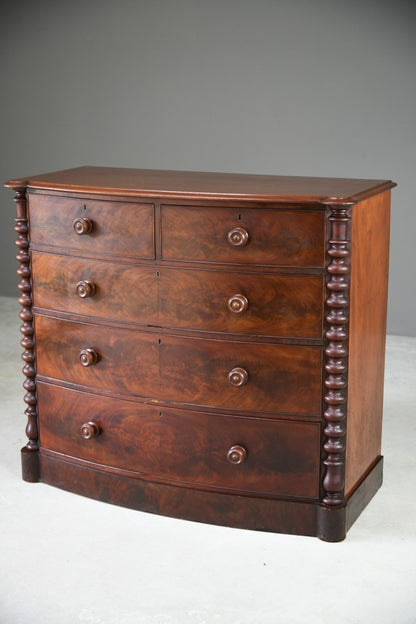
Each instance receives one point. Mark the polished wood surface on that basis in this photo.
(120, 228)
(282, 378)
(194, 184)
(206, 346)
(274, 237)
(27, 330)
(275, 304)
(282, 457)
(294, 517)
(369, 275)
(336, 354)
(244, 511)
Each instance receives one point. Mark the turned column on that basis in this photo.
(331, 516)
(29, 452)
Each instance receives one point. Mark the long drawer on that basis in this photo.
(216, 373)
(274, 457)
(92, 226)
(277, 237)
(249, 303)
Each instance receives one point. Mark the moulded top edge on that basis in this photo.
(208, 186)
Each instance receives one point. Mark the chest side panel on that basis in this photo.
(368, 312)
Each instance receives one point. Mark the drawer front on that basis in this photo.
(119, 291)
(280, 458)
(247, 303)
(244, 236)
(118, 228)
(215, 373)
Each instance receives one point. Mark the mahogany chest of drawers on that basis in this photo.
(206, 346)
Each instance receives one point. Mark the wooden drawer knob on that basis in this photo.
(89, 430)
(82, 225)
(88, 357)
(85, 288)
(236, 454)
(237, 304)
(238, 237)
(238, 377)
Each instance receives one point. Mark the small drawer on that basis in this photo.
(214, 373)
(262, 304)
(212, 450)
(92, 226)
(275, 237)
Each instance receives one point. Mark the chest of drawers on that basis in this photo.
(206, 346)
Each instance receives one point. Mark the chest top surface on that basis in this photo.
(202, 185)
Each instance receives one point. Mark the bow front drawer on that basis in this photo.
(92, 226)
(216, 373)
(262, 304)
(213, 450)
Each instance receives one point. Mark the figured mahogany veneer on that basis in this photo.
(240, 235)
(206, 346)
(109, 227)
(281, 378)
(181, 445)
(250, 303)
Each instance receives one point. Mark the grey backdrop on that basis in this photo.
(295, 87)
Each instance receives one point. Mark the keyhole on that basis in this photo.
(239, 217)
(160, 341)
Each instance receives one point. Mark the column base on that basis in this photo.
(30, 465)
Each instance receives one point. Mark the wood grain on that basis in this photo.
(246, 512)
(282, 457)
(282, 378)
(278, 305)
(180, 342)
(368, 311)
(294, 517)
(120, 228)
(195, 184)
(275, 237)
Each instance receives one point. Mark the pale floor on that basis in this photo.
(67, 559)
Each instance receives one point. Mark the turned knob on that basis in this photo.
(89, 430)
(236, 454)
(88, 357)
(85, 288)
(238, 377)
(237, 304)
(82, 225)
(238, 237)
